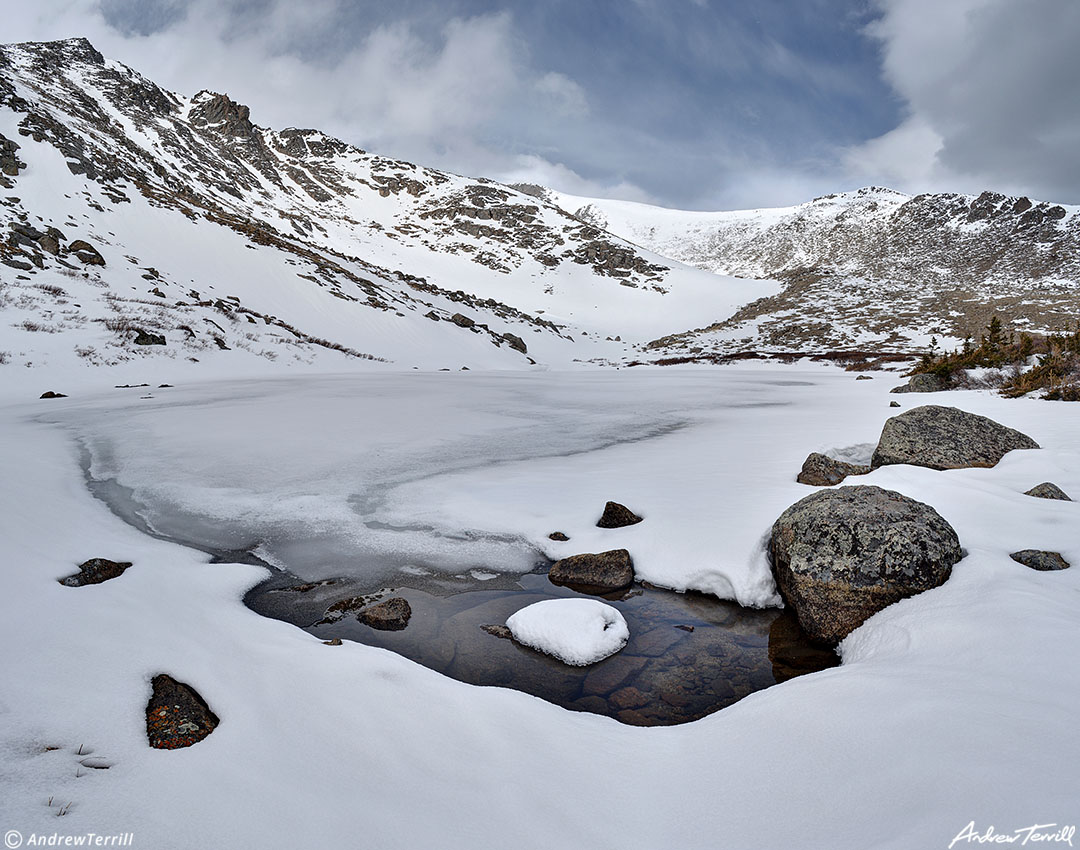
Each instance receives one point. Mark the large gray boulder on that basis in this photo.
(841, 555)
(1048, 490)
(945, 438)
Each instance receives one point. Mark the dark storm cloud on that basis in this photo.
(693, 103)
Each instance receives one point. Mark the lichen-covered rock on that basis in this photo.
(1046, 490)
(617, 516)
(841, 555)
(176, 715)
(389, 616)
(946, 438)
(595, 573)
(95, 571)
(921, 383)
(1040, 560)
(820, 470)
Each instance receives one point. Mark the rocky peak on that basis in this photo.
(210, 109)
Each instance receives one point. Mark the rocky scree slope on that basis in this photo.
(123, 206)
(868, 269)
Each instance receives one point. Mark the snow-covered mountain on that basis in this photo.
(132, 215)
(868, 269)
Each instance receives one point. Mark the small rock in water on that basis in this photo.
(176, 715)
(599, 573)
(498, 631)
(617, 516)
(389, 616)
(578, 632)
(820, 470)
(559, 536)
(1039, 560)
(1046, 490)
(95, 571)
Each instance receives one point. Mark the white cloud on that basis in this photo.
(991, 90)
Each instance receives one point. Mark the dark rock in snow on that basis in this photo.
(617, 516)
(146, 338)
(516, 342)
(86, 252)
(1039, 560)
(95, 571)
(389, 616)
(820, 470)
(462, 321)
(1046, 490)
(595, 573)
(559, 536)
(841, 555)
(894, 404)
(177, 716)
(946, 438)
(51, 394)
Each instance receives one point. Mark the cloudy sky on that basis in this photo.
(701, 104)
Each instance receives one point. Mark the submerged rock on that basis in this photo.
(596, 573)
(95, 571)
(946, 438)
(617, 516)
(176, 715)
(1046, 490)
(1040, 560)
(841, 555)
(389, 616)
(820, 470)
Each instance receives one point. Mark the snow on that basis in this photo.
(578, 632)
(953, 706)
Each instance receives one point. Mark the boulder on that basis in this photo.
(176, 715)
(1039, 560)
(841, 555)
(50, 244)
(921, 383)
(1046, 490)
(945, 438)
(86, 252)
(558, 536)
(389, 616)
(516, 342)
(894, 404)
(462, 321)
(602, 572)
(617, 516)
(51, 394)
(95, 571)
(820, 470)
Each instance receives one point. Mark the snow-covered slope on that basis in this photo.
(869, 268)
(289, 246)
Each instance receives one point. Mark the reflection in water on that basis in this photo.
(688, 655)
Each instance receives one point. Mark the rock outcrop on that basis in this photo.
(946, 438)
(841, 555)
(1046, 490)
